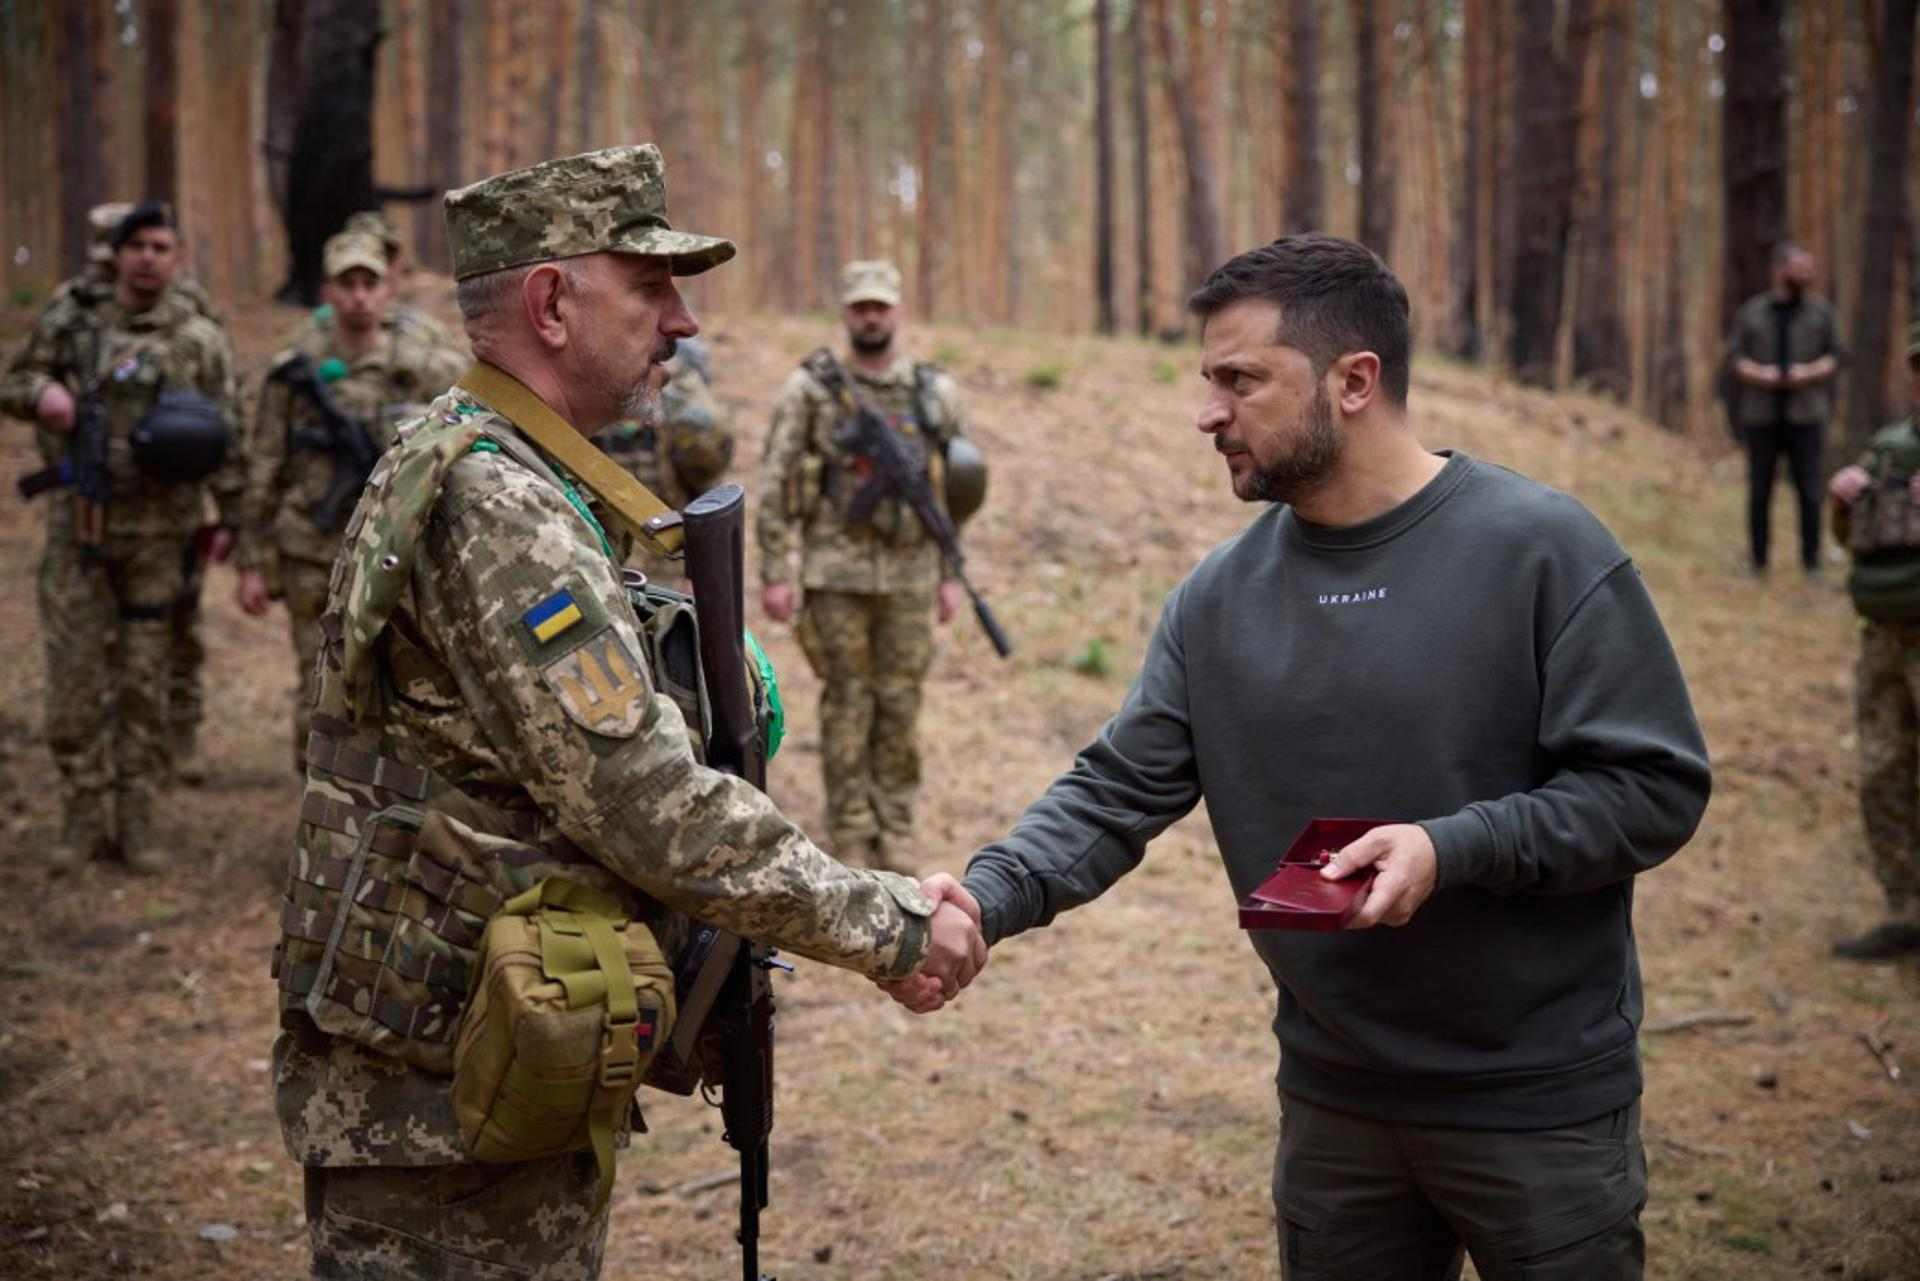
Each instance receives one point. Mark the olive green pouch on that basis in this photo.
(570, 1000)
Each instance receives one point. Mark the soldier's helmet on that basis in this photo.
(183, 438)
(966, 479)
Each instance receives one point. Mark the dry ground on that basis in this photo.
(1100, 1105)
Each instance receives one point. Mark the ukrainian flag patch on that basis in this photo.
(552, 616)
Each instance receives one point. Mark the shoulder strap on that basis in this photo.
(648, 518)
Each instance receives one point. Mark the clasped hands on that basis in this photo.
(956, 949)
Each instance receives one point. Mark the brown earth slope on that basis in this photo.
(1100, 1105)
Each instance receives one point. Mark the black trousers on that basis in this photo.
(1800, 442)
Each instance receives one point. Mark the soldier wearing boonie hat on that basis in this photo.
(481, 656)
(871, 586)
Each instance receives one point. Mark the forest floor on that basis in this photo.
(1078, 1114)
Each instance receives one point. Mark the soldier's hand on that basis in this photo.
(252, 592)
(947, 600)
(220, 544)
(777, 600)
(1405, 867)
(54, 409)
(1851, 481)
(956, 951)
(922, 992)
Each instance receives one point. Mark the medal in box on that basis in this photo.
(1297, 896)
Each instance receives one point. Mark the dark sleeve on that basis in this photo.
(1093, 824)
(1835, 347)
(1630, 779)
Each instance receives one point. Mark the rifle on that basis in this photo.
(741, 1022)
(341, 435)
(84, 468)
(899, 471)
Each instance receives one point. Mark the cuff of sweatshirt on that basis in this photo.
(990, 893)
(1463, 849)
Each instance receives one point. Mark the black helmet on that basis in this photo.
(183, 438)
(966, 479)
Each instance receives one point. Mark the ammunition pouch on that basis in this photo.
(570, 1000)
(1884, 518)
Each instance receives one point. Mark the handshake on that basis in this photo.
(956, 949)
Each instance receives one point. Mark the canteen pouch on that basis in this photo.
(570, 1000)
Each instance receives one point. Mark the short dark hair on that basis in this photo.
(1334, 296)
(142, 217)
(1785, 249)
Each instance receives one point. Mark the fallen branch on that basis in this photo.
(694, 1187)
(1699, 1018)
(1881, 1049)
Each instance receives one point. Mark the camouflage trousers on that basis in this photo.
(106, 624)
(871, 652)
(304, 583)
(1887, 704)
(186, 694)
(532, 1220)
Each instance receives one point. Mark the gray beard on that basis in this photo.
(1307, 466)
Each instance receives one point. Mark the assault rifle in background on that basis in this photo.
(727, 996)
(83, 470)
(340, 434)
(899, 470)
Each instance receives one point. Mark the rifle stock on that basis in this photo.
(344, 437)
(742, 1020)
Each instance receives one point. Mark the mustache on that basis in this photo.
(666, 351)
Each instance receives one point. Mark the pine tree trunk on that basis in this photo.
(1753, 148)
(1202, 220)
(1142, 171)
(1371, 81)
(753, 158)
(331, 172)
(1599, 333)
(1888, 134)
(82, 144)
(446, 22)
(1544, 136)
(162, 34)
(1305, 204)
(1105, 320)
(826, 231)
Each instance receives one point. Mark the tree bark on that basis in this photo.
(1142, 172)
(1543, 190)
(753, 156)
(284, 87)
(1202, 221)
(162, 32)
(1371, 83)
(1600, 355)
(933, 135)
(331, 172)
(1104, 317)
(1305, 206)
(446, 25)
(826, 227)
(1753, 148)
(82, 144)
(1888, 133)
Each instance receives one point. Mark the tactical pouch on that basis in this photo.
(1884, 517)
(570, 1000)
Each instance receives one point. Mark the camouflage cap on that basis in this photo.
(102, 222)
(875, 280)
(349, 249)
(371, 222)
(608, 201)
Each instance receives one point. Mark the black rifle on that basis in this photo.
(899, 471)
(741, 1021)
(340, 434)
(84, 468)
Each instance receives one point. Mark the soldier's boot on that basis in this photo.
(134, 814)
(82, 835)
(1888, 941)
(185, 766)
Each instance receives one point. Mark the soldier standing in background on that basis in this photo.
(1877, 515)
(486, 720)
(113, 572)
(300, 467)
(869, 587)
(683, 451)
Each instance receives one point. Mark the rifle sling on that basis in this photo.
(643, 513)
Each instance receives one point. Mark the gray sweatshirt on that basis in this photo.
(1483, 660)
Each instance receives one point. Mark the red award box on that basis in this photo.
(1296, 896)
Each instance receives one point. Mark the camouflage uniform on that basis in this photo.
(1883, 528)
(392, 381)
(107, 618)
(531, 750)
(684, 453)
(865, 622)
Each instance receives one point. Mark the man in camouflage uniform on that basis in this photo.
(1877, 514)
(484, 721)
(375, 371)
(106, 606)
(683, 451)
(405, 316)
(869, 586)
(186, 701)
